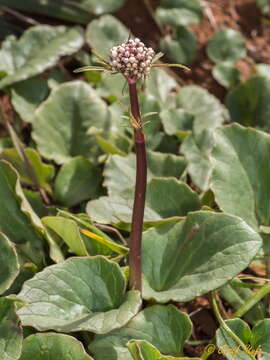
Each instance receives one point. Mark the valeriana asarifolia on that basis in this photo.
(134, 60)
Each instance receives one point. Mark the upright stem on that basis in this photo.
(140, 191)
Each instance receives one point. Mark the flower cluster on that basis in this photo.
(133, 59)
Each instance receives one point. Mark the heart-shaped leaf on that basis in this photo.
(226, 75)
(120, 172)
(9, 265)
(192, 257)
(11, 335)
(64, 118)
(44, 173)
(167, 199)
(77, 180)
(240, 158)
(80, 294)
(39, 48)
(49, 346)
(227, 45)
(104, 33)
(181, 47)
(165, 327)
(248, 103)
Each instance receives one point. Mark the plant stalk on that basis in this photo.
(135, 281)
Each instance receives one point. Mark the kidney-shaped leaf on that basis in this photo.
(104, 33)
(64, 118)
(164, 326)
(49, 346)
(80, 294)
(38, 49)
(181, 47)
(9, 265)
(120, 172)
(241, 173)
(192, 257)
(248, 103)
(226, 45)
(166, 198)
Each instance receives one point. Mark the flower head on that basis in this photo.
(132, 58)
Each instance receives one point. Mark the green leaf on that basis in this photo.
(39, 49)
(207, 110)
(192, 257)
(243, 155)
(160, 86)
(177, 17)
(44, 173)
(181, 47)
(165, 327)
(114, 144)
(78, 11)
(49, 346)
(27, 95)
(257, 340)
(261, 337)
(77, 180)
(81, 294)
(9, 265)
(167, 199)
(226, 75)
(248, 103)
(177, 122)
(226, 45)
(227, 345)
(96, 241)
(104, 33)
(64, 118)
(143, 350)
(199, 166)
(120, 172)
(236, 296)
(68, 231)
(208, 115)
(17, 219)
(264, 6)
(11, 335)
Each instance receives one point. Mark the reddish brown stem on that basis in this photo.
(140, 192)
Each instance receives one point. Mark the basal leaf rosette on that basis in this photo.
(81, 294)
(192, 257)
